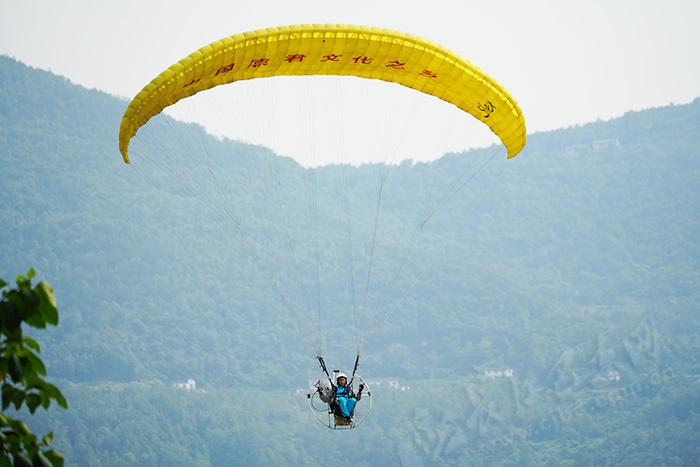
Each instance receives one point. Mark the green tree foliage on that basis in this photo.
(21, 371)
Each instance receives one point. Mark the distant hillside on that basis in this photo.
(594, 216)
(578, 275)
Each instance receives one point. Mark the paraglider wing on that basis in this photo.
(331, 49)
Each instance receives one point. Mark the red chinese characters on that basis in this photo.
(331, 58)
(397, 65)
(191, 83)
(224, 69)
(357, 60)
(255, 63)
(362, 60)
(294, 58)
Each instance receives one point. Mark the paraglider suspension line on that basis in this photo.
(357, 361)
(325, 370)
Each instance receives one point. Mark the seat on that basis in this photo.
(341, 421)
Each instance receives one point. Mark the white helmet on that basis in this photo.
(340, 375)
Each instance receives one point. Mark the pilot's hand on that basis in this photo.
(362, 386)
(320, 389)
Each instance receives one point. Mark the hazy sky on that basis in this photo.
(566, 62)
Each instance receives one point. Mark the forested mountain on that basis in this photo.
(560, 328)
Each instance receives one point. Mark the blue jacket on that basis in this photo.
(340, 391)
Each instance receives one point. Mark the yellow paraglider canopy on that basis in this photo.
(333, 49)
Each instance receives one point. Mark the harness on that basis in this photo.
(338, 391)
(325, 370)
(342, 391)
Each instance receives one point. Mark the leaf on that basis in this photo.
(21, 428)
(55, 457)
(61, 401)
(47, 439)
(31, 273)
(41, 461)
(18, 399)
(36, 363)
(10, 316)
(35, 319)
(22, 460)
(8, 393)
(54, 393)
(33, 401)
(15, 368)
(12, 441)
(47, 303)
(30, 300)
(32, 344)
(45, 400)
(32, 378)
(32, 309)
